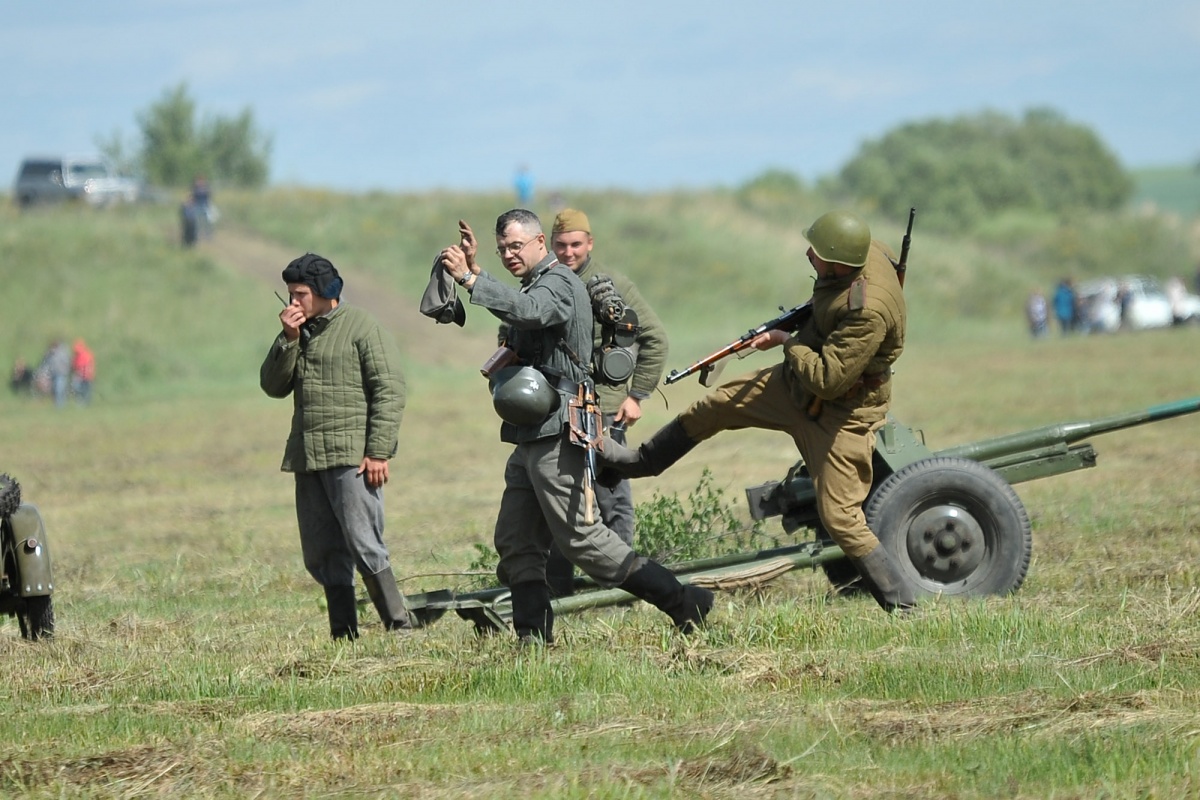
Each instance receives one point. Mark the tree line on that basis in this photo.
(174, 145)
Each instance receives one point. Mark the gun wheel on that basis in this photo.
(10, 496)
(37, 618)
(954, 526)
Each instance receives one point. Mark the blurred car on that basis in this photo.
(1148, 304)
(60, 179)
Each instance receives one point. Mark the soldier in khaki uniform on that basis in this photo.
(830, 393)
(629, 352)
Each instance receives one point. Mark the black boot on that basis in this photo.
(668, 444)
(343, 612)
(560, 574)
(884, 581)
(385, 595)
(686, 605)
(532, 617)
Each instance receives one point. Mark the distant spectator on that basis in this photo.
(188, 223)
(1176, 294)
(1064, 305)
(1037, 313)
(83, 372)
(1125, 304)
(523, 184)
(21, 381)
(57, 366)
(202, 206)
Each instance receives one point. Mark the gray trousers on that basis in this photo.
(542, 504)
(341, 525)
(615, 506)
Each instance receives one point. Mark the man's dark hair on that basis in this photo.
(518, 216)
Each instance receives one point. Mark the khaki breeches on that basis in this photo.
(836, 447)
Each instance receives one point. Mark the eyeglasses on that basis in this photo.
(514, 248)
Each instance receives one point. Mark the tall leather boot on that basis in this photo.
(885, 582)
(532, 617)
(686, 605)
(343, 612)
(560, 574)
(668, 444)
(385, 595)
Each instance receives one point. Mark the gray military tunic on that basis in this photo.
(549, 320)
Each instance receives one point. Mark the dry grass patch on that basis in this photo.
(1029, 712)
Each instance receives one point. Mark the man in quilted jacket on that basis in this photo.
(343, 372)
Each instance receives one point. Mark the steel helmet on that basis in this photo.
(840, 237)
(523, 396)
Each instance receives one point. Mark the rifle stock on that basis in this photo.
(586, 425)
(902, 265)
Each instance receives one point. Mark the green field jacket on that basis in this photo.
(651, 340)
(844, 354)
(348, 392)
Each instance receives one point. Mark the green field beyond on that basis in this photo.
(192, 658)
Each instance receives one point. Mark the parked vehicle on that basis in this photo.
(62, 179)
(26, 583)
(1146, 304)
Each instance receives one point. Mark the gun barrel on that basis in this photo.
(1068, 432)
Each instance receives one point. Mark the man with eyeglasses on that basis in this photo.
(629, 352)
(830, 393)
(549, 324)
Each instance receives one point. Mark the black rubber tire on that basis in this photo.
(954, 527)
(37, 619)
(10, 496)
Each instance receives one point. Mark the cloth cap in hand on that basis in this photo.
(569, 219)
(315, 271)
(440, 301)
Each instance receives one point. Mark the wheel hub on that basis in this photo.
(945, 543)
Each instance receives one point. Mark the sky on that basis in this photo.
(634, 94)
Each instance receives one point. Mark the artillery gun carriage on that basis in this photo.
(26, 584)
(950, 518)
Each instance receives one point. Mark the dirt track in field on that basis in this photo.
(420, 337)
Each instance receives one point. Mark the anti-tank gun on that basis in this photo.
(950, 517)
(26, 582)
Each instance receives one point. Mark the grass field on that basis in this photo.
(192, 657)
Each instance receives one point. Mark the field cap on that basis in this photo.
(440, 301)
(570, 219)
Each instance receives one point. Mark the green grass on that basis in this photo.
(1173, 189)
(192, 657)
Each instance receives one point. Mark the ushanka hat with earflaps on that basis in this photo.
(315, 271)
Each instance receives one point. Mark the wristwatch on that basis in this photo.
(463, 280)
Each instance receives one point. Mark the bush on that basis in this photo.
(708, 526)
(960, 171)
